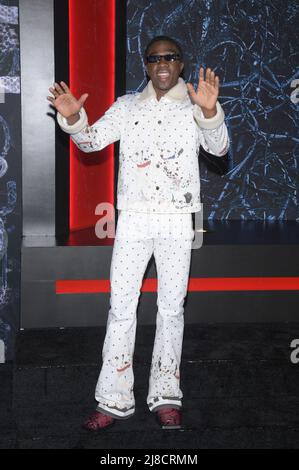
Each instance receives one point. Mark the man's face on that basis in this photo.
(164, 75)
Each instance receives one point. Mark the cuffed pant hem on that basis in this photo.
(116, 413)
(163, 403)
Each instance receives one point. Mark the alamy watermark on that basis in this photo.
(2, 352)
(295, 93)
(2, 94)
(295, 352)
(149, 224)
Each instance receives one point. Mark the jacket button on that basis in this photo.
(159, 122)
(157, 187)
(158, 166)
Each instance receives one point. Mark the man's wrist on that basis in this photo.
(209, 113)
(71, 120)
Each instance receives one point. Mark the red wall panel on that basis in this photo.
(195, 285)
(92, 70)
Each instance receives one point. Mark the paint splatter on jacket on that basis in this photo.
(159, 145)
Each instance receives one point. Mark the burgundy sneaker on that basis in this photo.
(98, 421)
(169, 418)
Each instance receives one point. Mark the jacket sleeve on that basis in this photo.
(103, 132)
(213, 131)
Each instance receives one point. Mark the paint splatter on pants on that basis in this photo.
(168, 237)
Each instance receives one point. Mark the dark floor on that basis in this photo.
(240, 390)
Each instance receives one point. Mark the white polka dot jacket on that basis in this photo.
(159, 146)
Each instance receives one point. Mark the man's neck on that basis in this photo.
(160, 93)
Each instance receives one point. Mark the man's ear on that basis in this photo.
(182, 66)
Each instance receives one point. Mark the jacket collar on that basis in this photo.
(176, 93)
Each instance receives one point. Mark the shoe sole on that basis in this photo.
(171, 427)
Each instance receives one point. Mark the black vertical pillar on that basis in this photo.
(120, 69)
(62, 141)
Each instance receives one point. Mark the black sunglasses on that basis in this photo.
(152, 59)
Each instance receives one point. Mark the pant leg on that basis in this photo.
(114, 390)
(172, 258)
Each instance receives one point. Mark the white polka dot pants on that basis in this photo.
(138, 237)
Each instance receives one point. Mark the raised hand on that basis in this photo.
(64, 101)
(207, 92)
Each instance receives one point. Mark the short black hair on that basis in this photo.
(164, 38)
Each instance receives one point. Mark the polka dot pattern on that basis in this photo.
(130, 258)
(159, 147)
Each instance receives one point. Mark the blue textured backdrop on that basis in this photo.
(10, 174)
(254, 47)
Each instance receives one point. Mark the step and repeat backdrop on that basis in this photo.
(253, 46)
(10, 176)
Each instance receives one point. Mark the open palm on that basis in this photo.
(207, 91)
(64, 101)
